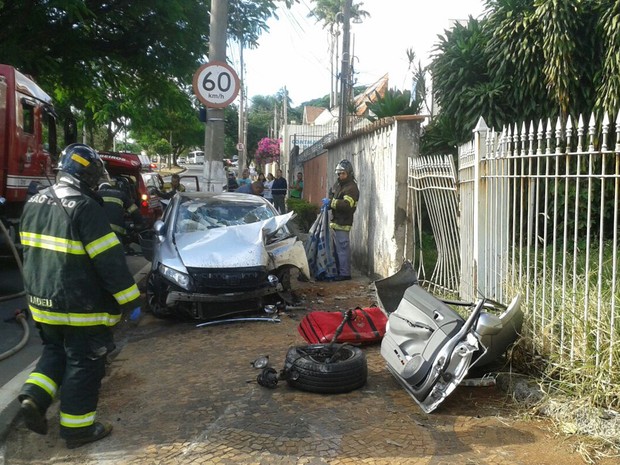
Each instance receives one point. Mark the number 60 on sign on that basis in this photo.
(216, 84)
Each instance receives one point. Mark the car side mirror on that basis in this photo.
(160, 228)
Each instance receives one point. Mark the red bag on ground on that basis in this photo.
(366, 326)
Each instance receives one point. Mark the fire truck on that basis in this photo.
(28, 144)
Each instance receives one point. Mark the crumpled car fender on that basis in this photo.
(290, 251)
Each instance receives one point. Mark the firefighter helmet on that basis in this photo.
(346, 166)
(81, 162)
(122, 184)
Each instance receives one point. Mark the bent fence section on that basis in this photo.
(538, 213)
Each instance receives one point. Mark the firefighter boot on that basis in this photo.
(34, 416)
(99, 431)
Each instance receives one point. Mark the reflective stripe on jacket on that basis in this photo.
(344, 197)
(75, 271)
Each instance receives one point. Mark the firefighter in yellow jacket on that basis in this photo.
(78, 286)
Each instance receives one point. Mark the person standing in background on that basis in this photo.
(278, 190)
(297, 186)
(268, 183)
(342, 202)
(231, 183)
(245, 178)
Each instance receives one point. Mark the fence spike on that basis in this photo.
(605, 131)
(539, 136)
(531, 136)
(580, 129)
(618, 132)
(558, 133)
(569, 131)
(591, 132)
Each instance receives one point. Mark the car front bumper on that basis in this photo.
(178, 296)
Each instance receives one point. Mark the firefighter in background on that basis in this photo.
(78, 286)
(119, 206)
(342, 201)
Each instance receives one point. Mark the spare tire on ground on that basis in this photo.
(326, 369)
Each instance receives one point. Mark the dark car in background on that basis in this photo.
(215, 254)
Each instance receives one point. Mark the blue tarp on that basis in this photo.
(319, 249)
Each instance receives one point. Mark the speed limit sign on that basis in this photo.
(216, 84)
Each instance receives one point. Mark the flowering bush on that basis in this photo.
(268, 151)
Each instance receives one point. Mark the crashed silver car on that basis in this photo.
(216, 254)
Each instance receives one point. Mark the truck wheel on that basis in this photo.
(156, 296)
(324, 369)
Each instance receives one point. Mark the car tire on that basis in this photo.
(326, 369)
(155, 296)
(284, 276)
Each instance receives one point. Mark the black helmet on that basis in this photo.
(83, 163)
(346, 166)
(122, 185)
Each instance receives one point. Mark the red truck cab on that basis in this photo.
(28, 147)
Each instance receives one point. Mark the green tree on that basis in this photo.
(110, 60)
(329, 12)
(525, 60)
(260, 121)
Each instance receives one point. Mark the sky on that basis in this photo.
(294, 52)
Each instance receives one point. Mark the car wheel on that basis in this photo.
(284, 276)
(326, 369)
(156, 296)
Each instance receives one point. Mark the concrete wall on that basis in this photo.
(379, 156)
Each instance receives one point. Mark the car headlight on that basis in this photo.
(175, 276)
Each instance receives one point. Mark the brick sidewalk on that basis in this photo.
(178, 394)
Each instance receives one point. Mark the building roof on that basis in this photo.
(311, 114)
(371, 94)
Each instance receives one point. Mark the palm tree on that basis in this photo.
(329, 12)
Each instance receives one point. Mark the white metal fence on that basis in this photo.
(538, 214)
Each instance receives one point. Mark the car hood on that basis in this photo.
(229, 247)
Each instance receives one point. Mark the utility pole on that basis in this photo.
(344, 71)
(241, 149)
(214, 128)
(285, 106)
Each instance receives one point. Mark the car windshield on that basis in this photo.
(203, 214)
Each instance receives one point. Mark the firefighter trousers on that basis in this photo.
(72, 366)
(342, 247)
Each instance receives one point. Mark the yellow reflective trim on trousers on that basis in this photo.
(44, 382)
(113, 200)
(127, 295)
(57, 244)
(73, 319)
(132, 208)
(102, 244)
(77, 421)
(339, 227)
